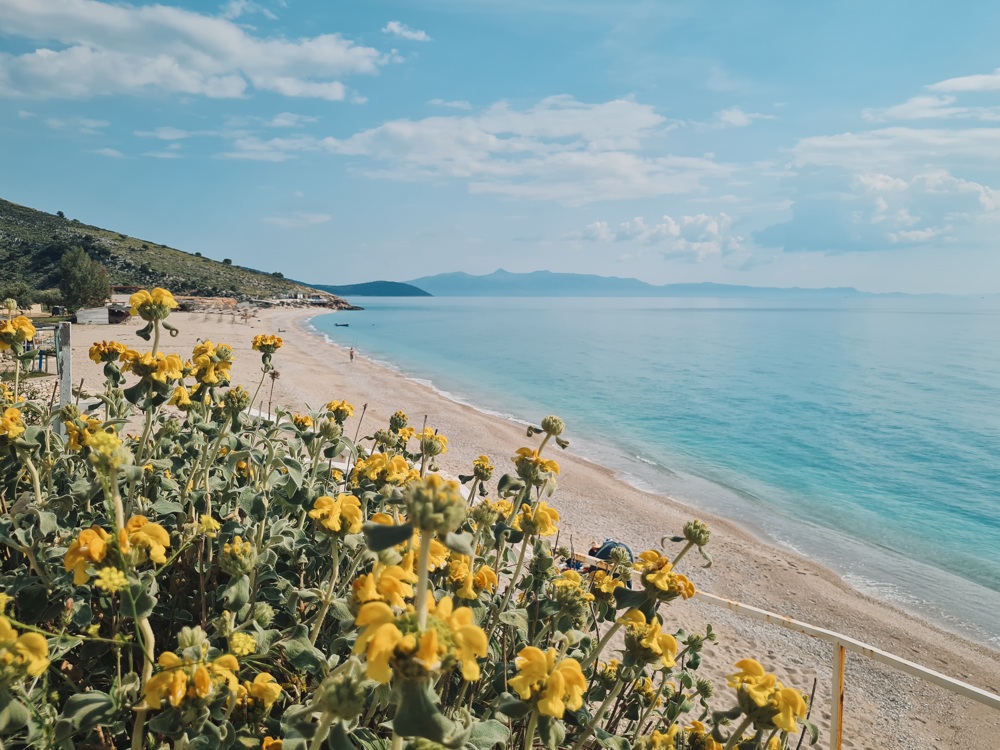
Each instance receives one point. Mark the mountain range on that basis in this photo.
(503, 283)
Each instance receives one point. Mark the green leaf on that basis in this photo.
(339, 739)
(460, 543)
(486, 735)
(138, 603)
(47, 522)
(83, 712)
(301, 653)
(418, 716)
(517, 618)
(512, 706)
(13, 713)
(551, 732)
(509, 485)
(629, 599)
(611, 741)
(237, 593)
(164, 507)
(813, 731)
(380, 536)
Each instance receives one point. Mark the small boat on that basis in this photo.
(341, 325)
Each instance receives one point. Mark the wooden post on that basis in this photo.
(64, 363)
(837, 698)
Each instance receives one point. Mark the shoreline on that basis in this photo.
(885, 709)
(882, 574)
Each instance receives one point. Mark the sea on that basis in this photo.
(863, 433)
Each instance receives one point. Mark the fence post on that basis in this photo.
(837, 698)
(64, 363)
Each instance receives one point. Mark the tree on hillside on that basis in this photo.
(84, 281)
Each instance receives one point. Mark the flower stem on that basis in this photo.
(35, 482)
(734, 738)
(322, 730)
(328, 599)
(529, 734)
(683, 552)
(423, 566)
(148, 646)
(510, 586)
(592, 657)
(599, 716)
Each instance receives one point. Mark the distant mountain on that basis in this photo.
(548, 284)
(33, 242)
(374, 289)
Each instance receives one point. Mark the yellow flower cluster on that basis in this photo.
(106, 351)
(392, 584)
(482, 469)
(340, 411)
(396, 643)
(530, 465)
(208, 526)
(266, 343)
(181, 679)
(764, 700)
(111, 580)
(658, 576)
(11, 423)
(540, 520)
(155, 305)
(380, 468)
(15, 332)
(159, 367)
(79, 431)
(242, 644)
(141, 538)
(212, 363)
(21, 655)
(181, 398)
(433, 443)
(556, 684)
(302, 421)
(263, 690)
(645, 642)
(468, 584)
(342, 515)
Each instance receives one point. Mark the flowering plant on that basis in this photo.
(223, 580)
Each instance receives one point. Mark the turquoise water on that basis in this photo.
(865, 434)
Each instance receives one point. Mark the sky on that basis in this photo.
(842, 143)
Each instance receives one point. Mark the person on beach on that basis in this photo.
(352, 353)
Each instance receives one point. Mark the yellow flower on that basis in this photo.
(181, 398)
(555, 686)
(469, 584)
(265, 690)
(432, 443)
(482, 469)
(150, 537)
(660, 740)
(341, 410)
(390, 642)
(11, 424)
(106, 351)
(242, 644)
(386, 583)
(381, 468)
(182, 679)
(78, 435)
(646, 641)
(5, 601)
(658, 576)
(533, 468)
(90, 547)
(603, 584)
(267, 343)
(302, 421)
(208, 526)
(540, 521)
(22, 654)
(772, 703)
(111, 580)
(155, 305)
(13, 333)
(270, 743)
(160, 368)
(701, 736)
(340, 515)
(212, 363)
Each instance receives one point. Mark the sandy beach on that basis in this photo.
(883, 708)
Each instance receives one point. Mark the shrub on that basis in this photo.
(220, 580)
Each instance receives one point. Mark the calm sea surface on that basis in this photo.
(865, 434)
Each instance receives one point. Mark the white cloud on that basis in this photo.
(297, 220)
(405, 32)
(453, 105)
(98, 48)
(931, 108)
(24, 114)
(169, 154)
(168, 133)
(289, 120)
(236, 8)
(735, 117)
(980, 82)
(85, 125)
(109, 152)
(916, 236)
(558, 150)
(700, 235)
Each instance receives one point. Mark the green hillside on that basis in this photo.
(32, 243)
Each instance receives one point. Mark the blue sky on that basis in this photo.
(765, 143)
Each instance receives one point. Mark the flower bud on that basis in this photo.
(482, 469)
(342, 694)
(553, 425)
(238, 557)
(192, 638)
(236, 399)
(697, 532)
(435, 504)
(331, 430)
(69, 412)
(263, 614)
(397, 421)
(10, 304)
(171, 428)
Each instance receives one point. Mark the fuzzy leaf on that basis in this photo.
(237, 593)
(488, 734)
(301, 653)
(418, 716)
(512, 706)
(382, 537)
(518, 618)
(460, 543)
